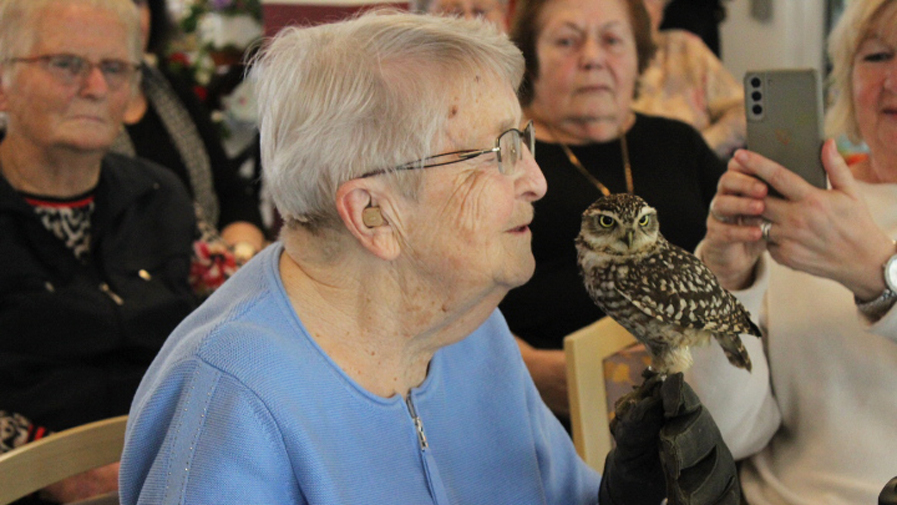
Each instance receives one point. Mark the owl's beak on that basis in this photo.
(630, 236)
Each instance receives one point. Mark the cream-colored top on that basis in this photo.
(816, 416)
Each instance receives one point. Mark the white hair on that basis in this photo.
(853, 28)
(17, 18)
(373, 92)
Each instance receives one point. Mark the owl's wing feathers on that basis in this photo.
(675, 287)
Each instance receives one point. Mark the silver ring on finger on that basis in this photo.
(764, 229)
(721, 218)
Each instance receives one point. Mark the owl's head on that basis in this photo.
(620, 225)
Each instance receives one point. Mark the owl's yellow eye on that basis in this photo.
(644, 220)
(606, 221)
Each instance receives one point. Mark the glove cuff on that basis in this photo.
(626, 484)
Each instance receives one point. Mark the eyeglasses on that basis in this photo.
(508, 147)
(73, 70)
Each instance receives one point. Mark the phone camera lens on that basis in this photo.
(755, 82)
(756, 96)
(757, 109)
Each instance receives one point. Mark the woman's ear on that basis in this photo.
(359, 203)
(137, 107)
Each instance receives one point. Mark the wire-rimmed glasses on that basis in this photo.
(508, 148)
(71, 69)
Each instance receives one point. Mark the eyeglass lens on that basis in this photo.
(510, 144)
(73, 69)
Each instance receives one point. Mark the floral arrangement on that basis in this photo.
(214, 34)
(236, 6)
(199, 8)
(213, 260)
(213, 263)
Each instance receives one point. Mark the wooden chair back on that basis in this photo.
(35, 465)
(585, 351)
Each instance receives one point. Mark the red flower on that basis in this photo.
(179, 58)
(201, 92)
(212, 264)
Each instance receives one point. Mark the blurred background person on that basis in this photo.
(701, 17)
(815, 419)
(494, 11)
(686, 81)
(583, 60)
(361, 359)
(168, 124)
(96, 246)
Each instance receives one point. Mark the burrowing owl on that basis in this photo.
(662, 294)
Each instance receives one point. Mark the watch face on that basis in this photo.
(891, 273)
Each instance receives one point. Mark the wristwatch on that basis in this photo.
(876, 308)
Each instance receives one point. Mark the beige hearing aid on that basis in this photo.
(371, 217)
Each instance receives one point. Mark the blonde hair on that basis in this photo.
(853, 28)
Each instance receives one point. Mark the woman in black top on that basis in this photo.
(583, 61)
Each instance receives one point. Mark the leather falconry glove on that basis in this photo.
(667, 446)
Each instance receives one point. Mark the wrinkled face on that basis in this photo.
(468, 231)
(874, 82)
(48, 113)
(588, 67)
(491, 10)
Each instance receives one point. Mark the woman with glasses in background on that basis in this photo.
(96, 247)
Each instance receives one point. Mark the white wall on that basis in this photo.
(792, 37)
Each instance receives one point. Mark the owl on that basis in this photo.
(665, 296)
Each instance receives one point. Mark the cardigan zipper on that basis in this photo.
(418, 425)
(434, 481)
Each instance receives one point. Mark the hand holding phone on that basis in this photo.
(783, 109)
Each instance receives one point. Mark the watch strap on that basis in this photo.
(876, 308)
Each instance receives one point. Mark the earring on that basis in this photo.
(371, 217)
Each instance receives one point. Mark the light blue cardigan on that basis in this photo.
(242, 406)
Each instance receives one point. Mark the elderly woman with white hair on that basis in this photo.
(362, 358)
(814, 421)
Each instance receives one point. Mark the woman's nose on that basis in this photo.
(592, 55)
(94, 82)
(891, 76)
(532, 180)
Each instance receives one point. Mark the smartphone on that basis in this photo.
(783, 109)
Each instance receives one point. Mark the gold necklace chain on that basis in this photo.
(627, 168)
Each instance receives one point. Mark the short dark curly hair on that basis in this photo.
(525, 31)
